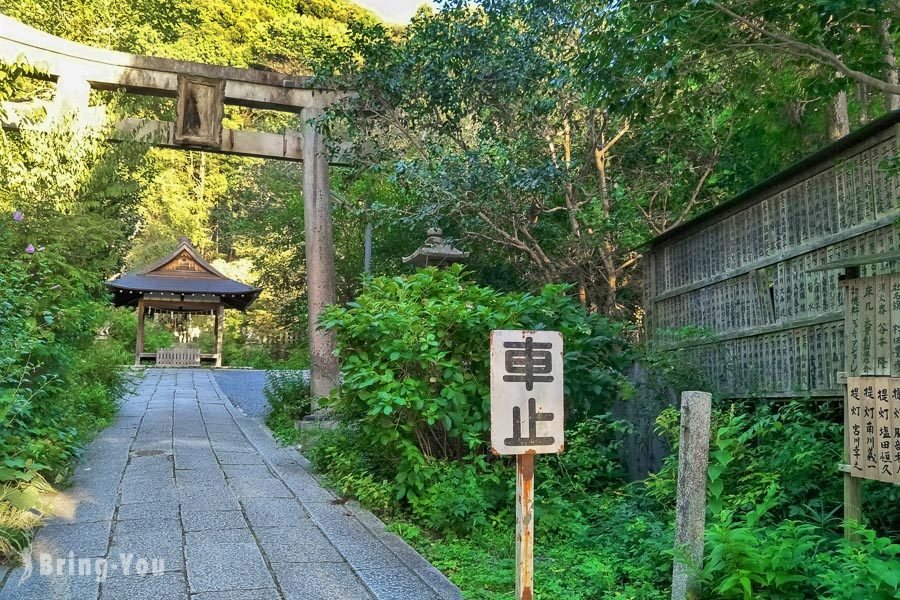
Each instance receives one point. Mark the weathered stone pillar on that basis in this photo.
(690, 516)
(319, 241)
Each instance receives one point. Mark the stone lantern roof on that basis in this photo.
(436, 252)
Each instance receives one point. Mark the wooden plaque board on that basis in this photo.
(201, 105)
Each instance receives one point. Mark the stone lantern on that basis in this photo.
(436, 252)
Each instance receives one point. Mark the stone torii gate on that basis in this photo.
(202, 90)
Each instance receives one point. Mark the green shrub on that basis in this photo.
(749, 557)
(288, 393)
(414, 359)
(58, 384)
(463, 497)
(238, 355)
(289, 401)
(338, 454)
(774, 496)
(123, 332)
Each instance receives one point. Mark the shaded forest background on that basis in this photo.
(549, 139)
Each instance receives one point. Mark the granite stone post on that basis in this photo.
(690, 518)
(319, 242)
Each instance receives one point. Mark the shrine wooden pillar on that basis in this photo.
(319, 242)
(139, 343)
(220, 326)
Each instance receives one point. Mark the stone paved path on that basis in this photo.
(185, 479)
(244, 387)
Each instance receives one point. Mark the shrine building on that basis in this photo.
(181, 283)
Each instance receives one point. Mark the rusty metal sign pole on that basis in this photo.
(527, 418)
(524, 526)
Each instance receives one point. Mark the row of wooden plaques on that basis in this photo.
(855, 191)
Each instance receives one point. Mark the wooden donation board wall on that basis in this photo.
(751, 280)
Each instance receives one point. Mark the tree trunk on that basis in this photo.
(839, 119)
(862, 96)
(890, 59)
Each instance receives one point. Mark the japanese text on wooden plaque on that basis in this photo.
(872, 326)
(873, 428)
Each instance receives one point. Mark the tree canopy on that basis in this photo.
(550, 139)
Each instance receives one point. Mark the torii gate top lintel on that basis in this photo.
(150, 75)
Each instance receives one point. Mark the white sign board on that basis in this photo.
(527, 392)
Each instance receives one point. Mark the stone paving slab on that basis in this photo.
(186, 483)
(320, 581)
(166, 547)
(148, 510)
(396, 583)
(274, 512)
(303, 543)
(48, 587)
(86, 540)
(218, 566)
(166, 586)
(266, 594)
(205, 520)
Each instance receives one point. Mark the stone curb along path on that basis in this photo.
(185, 498)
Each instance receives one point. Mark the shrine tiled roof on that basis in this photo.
(183, 273)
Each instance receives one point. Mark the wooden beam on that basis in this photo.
(174, 305)
(255, 144)
(139, 342)
(220, 326)
(148, 75)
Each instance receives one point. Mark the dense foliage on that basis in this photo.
(414, 361)
(774, 528)
(550, 138)
(555, 136)
(287, 393)
(411, 445)
(63, 224)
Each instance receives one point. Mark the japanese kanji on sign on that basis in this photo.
(527, 392)
(527, 418)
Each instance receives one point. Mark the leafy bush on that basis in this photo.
(350, 470)
(21, 489)
(750, 558)
(774, 493)
(414, 407)
(289, 400)
(123, 331)
(58, 385)
(414, 414)
(288, 392)
(463, 496)
(414, 358)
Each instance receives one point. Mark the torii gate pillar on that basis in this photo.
(319, 242)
